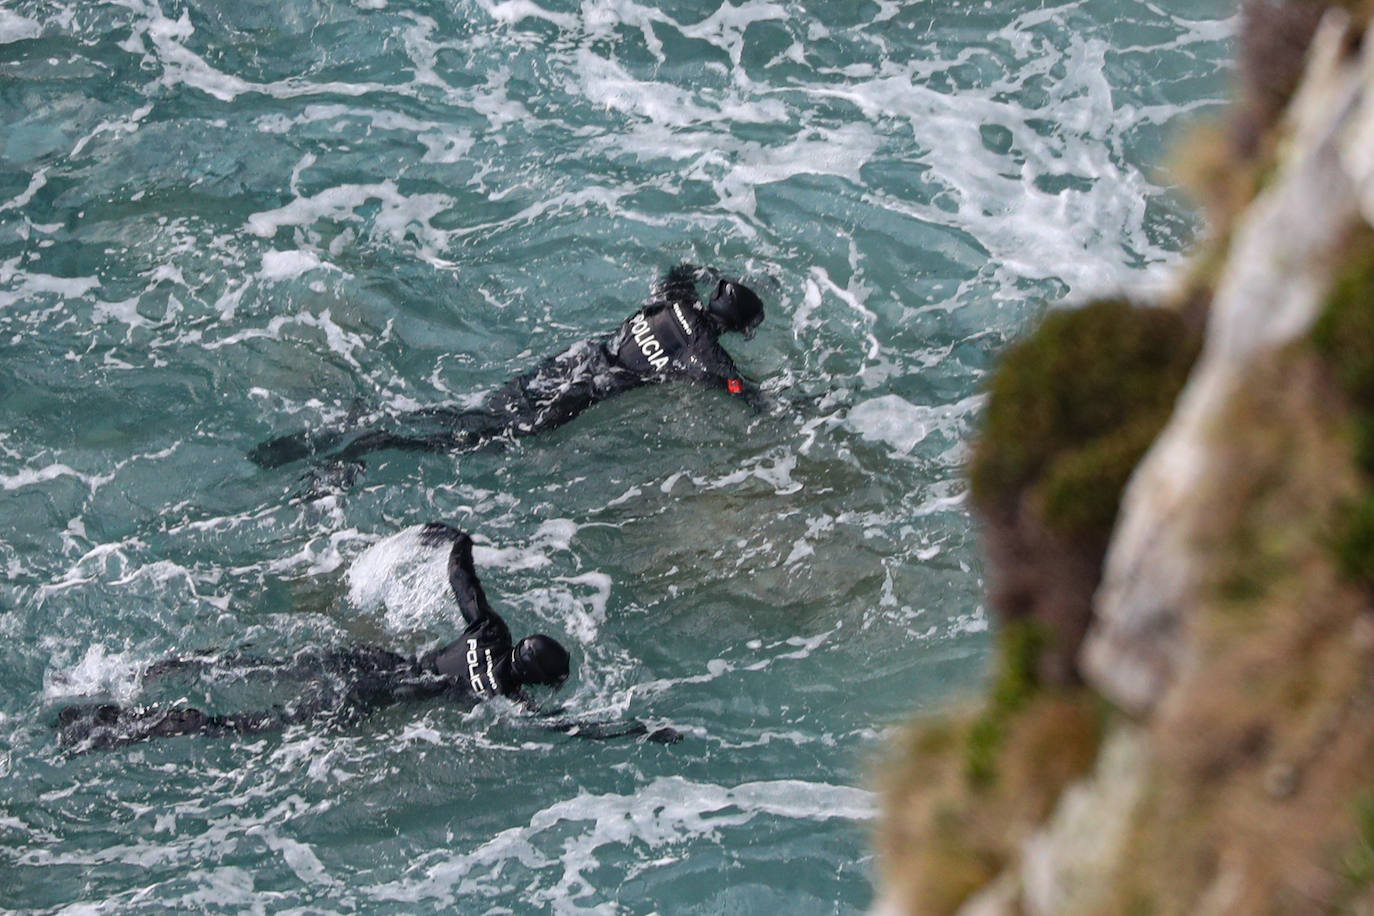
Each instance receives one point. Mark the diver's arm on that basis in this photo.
(711, 366)
(622, 728)
(751, 394)
(593, 730)
(462, 575)
(462, 578)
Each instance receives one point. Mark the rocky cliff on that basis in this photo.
(1181, 541)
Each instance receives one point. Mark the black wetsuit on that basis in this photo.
(352, 682)
(672, 338)
(338, 686)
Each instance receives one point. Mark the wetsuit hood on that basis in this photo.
(735, 307)
(540, 659)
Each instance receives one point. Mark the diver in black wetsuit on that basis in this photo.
(672, 338)
(482, 663)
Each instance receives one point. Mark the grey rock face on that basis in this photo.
(1277, 272)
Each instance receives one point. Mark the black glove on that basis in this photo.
(437, 534)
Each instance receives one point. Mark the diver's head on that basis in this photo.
(540, 659)
(735, 307)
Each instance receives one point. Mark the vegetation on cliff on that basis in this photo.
(1264, 747)
(1253, 791)
(1070, 411)
(1073, 407)
(1344, 335)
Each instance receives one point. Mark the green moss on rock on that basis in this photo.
(1358, 864)
(1074, 406)
(1344, 336)
(1015, 682)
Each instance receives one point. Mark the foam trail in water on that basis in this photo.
(666, 812)
(902, 425)
(182, 67)
(406, 580)
(400, 216)
(98, 672)
(14, 27)
(443, 144)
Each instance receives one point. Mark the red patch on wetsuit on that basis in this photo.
(734, 385)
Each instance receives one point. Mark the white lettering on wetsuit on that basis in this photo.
(475, 669)
(648, 344)
(682, 320)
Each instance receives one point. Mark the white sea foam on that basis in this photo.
(801, 549)
(839, 152)
(976, 621)
(673, 810)
(725, 27)
(776, 470)
(31, 285)
(341, 202)
(891, 419)
(217, 888)
(29, 477)
(14, 27)
(91, 564)
(398, 217)
(321, 555)
(513, 11)
(604, 199)
(853, 295)
(345, 343)
(897, 422)
(580, 832)
(299, 857)
(99, 671)
(182, 67)
(760, 657)
(552, 535)
(39, 178)
(588, 613)
(442, 142)
(287, 265)
(124, 311)
(444, 877)
(600, 17)
(606, 83)
(117, 127)
(406, 580)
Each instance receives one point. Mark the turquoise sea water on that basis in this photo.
(224, 221)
